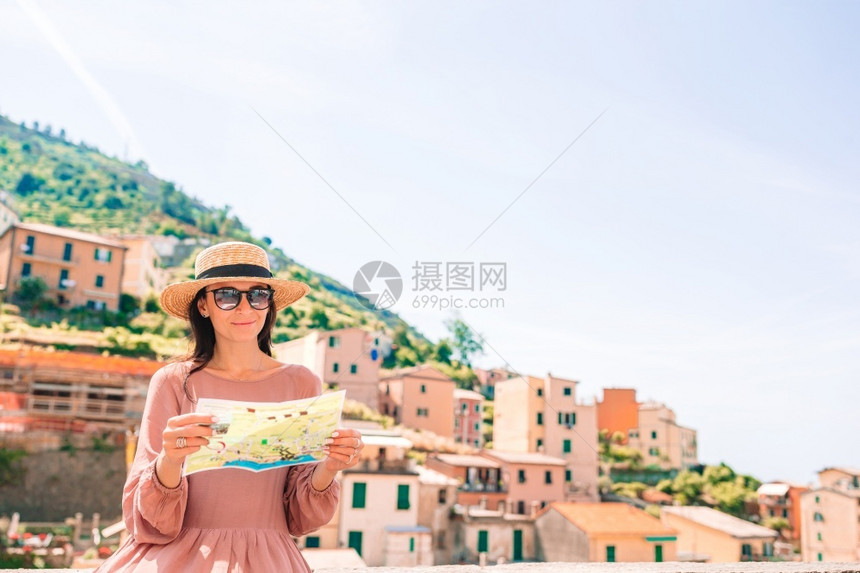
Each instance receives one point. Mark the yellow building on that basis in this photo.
(80, 269)
(713, 536)
(602, 532)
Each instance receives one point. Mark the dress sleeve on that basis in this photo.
(308, 509)
(152, 512)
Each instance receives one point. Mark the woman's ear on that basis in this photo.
(201, 306)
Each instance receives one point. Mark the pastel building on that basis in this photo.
(468, 418)
(487, 380)
(420, 397)
(497, 535)
(542, 415)
(649, 427)
(142, 274)
(437, 496)
(346, 359)
(79, 269)
(830, 517)
(532, 480)
(782, 500)
(705, 534)
(478, 478)
(610, 532)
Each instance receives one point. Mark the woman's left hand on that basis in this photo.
(343, 449)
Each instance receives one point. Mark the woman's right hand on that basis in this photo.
(194, 428)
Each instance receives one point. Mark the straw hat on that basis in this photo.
(232, 261)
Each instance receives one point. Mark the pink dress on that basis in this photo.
(225, 520)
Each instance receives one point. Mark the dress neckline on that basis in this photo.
(268, 374)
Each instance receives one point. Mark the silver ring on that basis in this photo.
(181, 442)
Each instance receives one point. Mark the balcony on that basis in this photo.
(483, 487)
(48, 259)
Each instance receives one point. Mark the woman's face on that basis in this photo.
(240, 324)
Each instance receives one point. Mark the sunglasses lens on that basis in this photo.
(259, 298)
(226, 298)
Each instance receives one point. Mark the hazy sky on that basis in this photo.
(699, 242)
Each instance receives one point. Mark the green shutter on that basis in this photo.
(560, 418)
(540, 418)
(610, 554)
(483, 540)
(658, 553)
(403, 496)
(518, 544)
(355, 541)
(359, 494)
(566, 446)
(312, 542)
(411, 545)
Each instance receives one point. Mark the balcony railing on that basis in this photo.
(483, 487)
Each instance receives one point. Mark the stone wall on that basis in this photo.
(58, 484)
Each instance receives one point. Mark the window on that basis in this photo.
(819, 536)
(784, 512)
(477, 426)
(423, 388)
(353, 368)
(540, 418)
(440, 540)
(100, 281)
(355, 541)
(547, 477)
(767, 549)
(818, 517)
(425, 412)
(403, 496)
(565, 446)
(483, 540)
(568, 476)
(312, 541)
(335, 367)
(610, 554)
(746, 551)
(64, 278)
(359, 495)
(443, 496)
(521, 507)
(103, 255)
(477, 443)
(31, 245)
(521, 476)
(567, 390)
(477, 408)
(540, 391)
(25, 270)
(411, 545)
(67, 252)
(817, 499)
(334, 342)
(820, 557)
(539, 443)
(654, 435)
(658, 553)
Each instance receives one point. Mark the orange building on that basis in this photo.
(619, 411)
(80, 269)
(479, 478)
(782, 499)
(419, 397)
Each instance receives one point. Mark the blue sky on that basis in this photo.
(699, 242)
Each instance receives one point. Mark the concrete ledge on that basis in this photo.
(783, 567)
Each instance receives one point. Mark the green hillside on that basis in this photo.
(55, 181)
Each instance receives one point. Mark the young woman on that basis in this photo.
(227, 519)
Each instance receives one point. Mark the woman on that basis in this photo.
(228, 519)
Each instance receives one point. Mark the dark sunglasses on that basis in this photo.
(229, 298)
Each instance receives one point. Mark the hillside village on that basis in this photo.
(513, 467)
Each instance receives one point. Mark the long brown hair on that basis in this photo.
(202, 338)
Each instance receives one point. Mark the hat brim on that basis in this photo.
(176, 298)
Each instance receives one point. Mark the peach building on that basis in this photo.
(782, 499)
(487, 380)
(437, 496)
(497, 535)
(542, 415)
(143, 274)
(650, 427)
(830, 517)
(347, 359)
(419, 397)
(80, 269)
(479, 478)
(533, 480)
(715, 537)
(607, 532)
(468, 418)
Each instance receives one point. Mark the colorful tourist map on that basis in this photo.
(258, 436)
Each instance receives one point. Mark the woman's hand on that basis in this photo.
(343, 449)
(184, 435)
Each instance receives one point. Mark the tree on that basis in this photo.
(28, 184)
(464, 341)
(31, 293)
(318, 317)
(688, 487)
(443, 351)
(128, 303)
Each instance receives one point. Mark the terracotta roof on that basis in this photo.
(70, 233)
(78, 361)
(734, 526)
(524, 458)
(610, 518)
